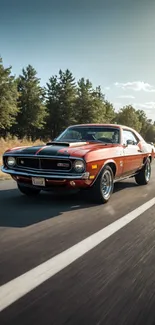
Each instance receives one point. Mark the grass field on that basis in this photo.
(10, 143)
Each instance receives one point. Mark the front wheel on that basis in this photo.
(143, 177)
(103, 188)
(28, 190)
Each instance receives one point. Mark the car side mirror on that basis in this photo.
(129, 142)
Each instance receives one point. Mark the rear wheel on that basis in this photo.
(28, 190)
(143, 177)
(103, 187)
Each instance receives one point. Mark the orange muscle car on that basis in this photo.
(87, 156)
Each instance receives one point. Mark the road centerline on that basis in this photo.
(20, 286)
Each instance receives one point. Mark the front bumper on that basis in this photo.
(50, 176)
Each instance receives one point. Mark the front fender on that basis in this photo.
(109, 162)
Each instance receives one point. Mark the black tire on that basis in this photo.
(98, 194)
(144, 175)
(28, 190)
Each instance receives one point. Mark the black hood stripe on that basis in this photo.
(40, 149)
(27, 150)
(53, 151)
(43, 150)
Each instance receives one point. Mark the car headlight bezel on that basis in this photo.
(79, 166)
(9, 163)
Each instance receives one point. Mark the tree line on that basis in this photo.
(29, 110)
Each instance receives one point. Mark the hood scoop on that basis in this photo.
(66, 144)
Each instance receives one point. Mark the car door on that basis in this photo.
(133, 158)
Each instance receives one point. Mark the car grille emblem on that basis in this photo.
(62, 164)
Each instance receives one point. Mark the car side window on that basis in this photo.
(128, 135)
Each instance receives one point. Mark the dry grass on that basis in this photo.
(10, 143)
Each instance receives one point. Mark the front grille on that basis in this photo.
(28, 163)
(44, 163)
(54, 164)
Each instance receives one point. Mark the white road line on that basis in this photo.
(18, 287)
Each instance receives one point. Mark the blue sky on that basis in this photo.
(111, 42)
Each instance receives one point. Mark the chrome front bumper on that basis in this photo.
(51, 176)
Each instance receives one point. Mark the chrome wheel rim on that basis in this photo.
(147, 172)
(106, 184)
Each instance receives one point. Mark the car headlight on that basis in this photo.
(79, 166)
(11, 161)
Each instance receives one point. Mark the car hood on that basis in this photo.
(60, 149)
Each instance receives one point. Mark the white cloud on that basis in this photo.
(136, 86)
(147, 106)
(126, 96)
(107, 88)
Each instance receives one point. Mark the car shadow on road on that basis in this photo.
(17, 210)
(119, 186)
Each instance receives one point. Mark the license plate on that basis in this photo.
(38, 181)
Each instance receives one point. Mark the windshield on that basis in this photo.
(90, 134)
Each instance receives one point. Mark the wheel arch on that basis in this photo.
(111, 163)
(147, 157)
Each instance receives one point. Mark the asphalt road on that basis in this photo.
(113, 283)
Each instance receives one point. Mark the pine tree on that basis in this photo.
(8, 99)
(68, 93)
(89, 103)
(61, 96)
(54, 119)
(31, 117)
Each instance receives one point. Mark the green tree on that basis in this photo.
(32, 114)
(147, 126)
(128, 116)
(8, 99)
(67, 97)
(61, 97)
(144, 122)
(89, 103)
(150, 133)
(84, 110)
(109, 112)
(54, 118)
